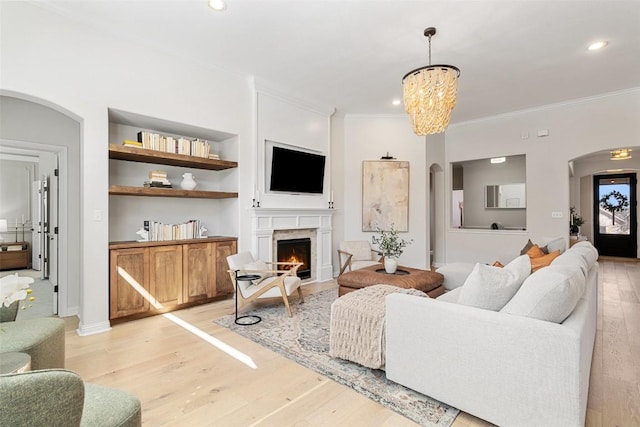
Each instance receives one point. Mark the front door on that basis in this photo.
(615, 221)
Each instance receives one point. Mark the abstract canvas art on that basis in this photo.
(385, 195)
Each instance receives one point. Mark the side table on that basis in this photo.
(249, 318)
(14, 362)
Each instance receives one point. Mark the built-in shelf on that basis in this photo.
(142, 155)
(122, 190)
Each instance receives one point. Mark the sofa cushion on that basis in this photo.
(491, 287)
(261, 268)
(526, 247)
(556, 244)
(549, 294)
(535, 252)
(543, 261)
(455, 274)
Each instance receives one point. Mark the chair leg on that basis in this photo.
(300, 293)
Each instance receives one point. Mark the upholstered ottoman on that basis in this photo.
(357, 328)
(42, 339)
(426, 281)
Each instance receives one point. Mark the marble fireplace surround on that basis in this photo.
(267, 223)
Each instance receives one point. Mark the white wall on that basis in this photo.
(582, 185)
(15, 197)
(575, 129)
(297, 124)
(87, 72)
(369, 138)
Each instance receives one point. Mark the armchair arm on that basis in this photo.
(346, 263)
(44, 397)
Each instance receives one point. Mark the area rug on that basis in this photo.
(304, 338)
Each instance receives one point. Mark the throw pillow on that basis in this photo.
(551, 294)
(543, 261)
(535, 252)
(497, 264)
(260, 268)
(526, 247)
(490, 288)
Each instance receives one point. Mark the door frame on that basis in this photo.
(633, 211)
(34, 149)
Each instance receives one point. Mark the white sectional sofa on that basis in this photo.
(508, 367)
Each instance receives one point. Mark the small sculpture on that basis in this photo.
(144, 235)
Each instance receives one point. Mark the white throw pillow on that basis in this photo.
(549, 294)
(261, 268)
(491, 287)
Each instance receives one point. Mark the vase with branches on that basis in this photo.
(391, 245)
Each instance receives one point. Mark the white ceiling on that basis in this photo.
(352, 55)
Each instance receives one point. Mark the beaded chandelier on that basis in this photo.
(430, 94)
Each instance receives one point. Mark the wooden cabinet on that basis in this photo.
(15, 255)
(129, 291)
(148, 278)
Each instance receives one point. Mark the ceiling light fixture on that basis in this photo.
(597, 45)
(430, 94)
(396, 102)
(621, 154)
(498, 160)
(217, 5)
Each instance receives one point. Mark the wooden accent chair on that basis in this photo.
(273, 283)
(355, 254)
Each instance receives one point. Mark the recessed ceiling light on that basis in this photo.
(498, 160)
(396, 102)
(597, 45)
(217, 5)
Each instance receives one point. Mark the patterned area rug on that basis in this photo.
(304, 338)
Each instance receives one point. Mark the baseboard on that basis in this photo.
(92, 329)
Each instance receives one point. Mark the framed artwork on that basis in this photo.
(385, 195)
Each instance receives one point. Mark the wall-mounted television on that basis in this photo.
(296, 171)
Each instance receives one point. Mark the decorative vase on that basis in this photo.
(9, 314)
(390, 265)
(187, 182)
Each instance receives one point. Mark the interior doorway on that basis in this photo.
(615, 215)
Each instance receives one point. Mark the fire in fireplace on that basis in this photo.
(296, 250)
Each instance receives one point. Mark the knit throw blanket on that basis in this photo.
(357, 331)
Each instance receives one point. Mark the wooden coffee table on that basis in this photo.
(426, 281)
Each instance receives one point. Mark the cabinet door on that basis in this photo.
(165, 276)
(224, 285)
(129, 282)
(198, 278)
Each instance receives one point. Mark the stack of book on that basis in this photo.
(158, 179)
(168, 144)
(161, 232)
(214, 156)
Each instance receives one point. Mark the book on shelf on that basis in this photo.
(158, 184)
(129, 143)
(157, 176)
(168, 144)
(159, 231)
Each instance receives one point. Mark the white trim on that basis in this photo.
(92, 329)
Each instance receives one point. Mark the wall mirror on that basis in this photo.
(505, 196)
(489, 193)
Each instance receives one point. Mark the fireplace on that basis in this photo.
(295, 250)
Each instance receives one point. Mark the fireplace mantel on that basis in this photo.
(264, 221)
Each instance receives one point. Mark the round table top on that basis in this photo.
(14, 362)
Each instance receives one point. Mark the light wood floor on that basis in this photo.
(184, 380)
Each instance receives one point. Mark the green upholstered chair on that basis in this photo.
(57, 397)
(42, 339)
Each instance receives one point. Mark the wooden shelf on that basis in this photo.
(133, 154)
(121, 190)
